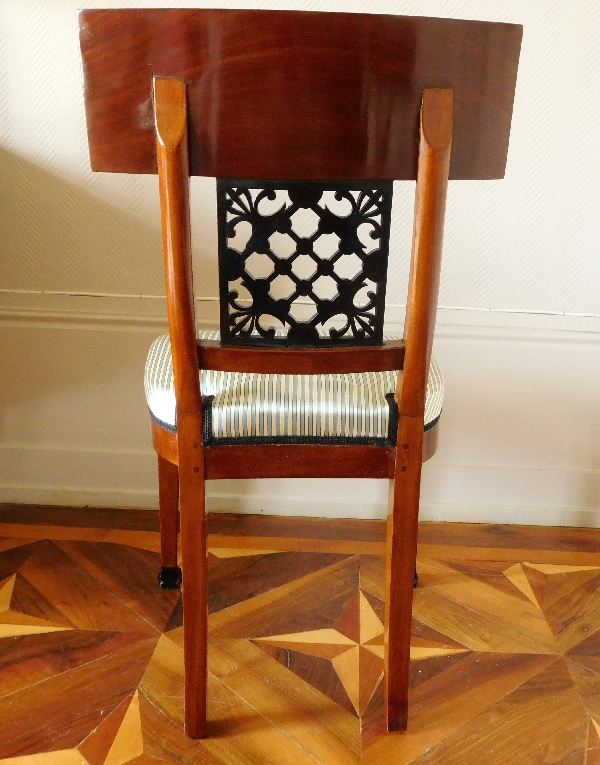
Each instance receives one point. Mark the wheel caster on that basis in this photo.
(416, 579)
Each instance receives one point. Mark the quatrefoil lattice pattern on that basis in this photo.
(303, 262)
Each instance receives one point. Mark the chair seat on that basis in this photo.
(245, 408)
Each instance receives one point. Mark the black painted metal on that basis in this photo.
(264, 290)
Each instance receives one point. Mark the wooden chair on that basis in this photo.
(346, 103)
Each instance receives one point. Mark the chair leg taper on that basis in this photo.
(169, 577)
(401, 555)
(195, 581)
(432, 181)
(195, 615)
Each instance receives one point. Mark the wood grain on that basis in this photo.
(293, 461)
(322, 727)
(450, 699)
(315, 70)
(436, 137)
(31, 659)
(78, 596)
(131, 579)
(90, 517)
(168, 496)
(299, 461)
(471, 537)
(68, 707)
(497, 675)
(546, 705)
(145, 540)
(170, 107)
(301, 361)
(446, 541)
(437, 141)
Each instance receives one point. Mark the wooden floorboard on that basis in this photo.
(230, 524)
(505, 651)
(87, 517)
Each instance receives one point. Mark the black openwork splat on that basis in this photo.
(303, 263)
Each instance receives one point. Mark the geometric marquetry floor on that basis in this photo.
(505, 653)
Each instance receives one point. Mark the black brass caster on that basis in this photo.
(416, 579)
(169, 578)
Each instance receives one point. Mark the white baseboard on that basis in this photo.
(449, 493)
(77, 477)
(148, 313)
(581, 517)
(72, 496)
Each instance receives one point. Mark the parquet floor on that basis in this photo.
(506, 644)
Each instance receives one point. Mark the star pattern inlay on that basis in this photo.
(354, 645)
(14, 623)
(92, 660)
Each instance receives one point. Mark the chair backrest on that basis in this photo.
(297, 95)
(330, 99)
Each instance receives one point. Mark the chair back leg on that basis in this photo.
(192, 505)
(169, 577)
(401, 557)
(432, 181)
(170, 109)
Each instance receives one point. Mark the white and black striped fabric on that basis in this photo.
(242, 407)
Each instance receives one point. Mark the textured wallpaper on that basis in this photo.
(529, 243)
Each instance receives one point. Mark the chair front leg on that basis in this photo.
(169, 577)
(401, 558)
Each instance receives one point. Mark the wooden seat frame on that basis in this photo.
(380, 112)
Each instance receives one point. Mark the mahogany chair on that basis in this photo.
(297, 114)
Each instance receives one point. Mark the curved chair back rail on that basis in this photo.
(339, 93)
(301, 361)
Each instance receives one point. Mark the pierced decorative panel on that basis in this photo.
(303, 263)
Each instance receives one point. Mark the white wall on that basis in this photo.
(81, 280)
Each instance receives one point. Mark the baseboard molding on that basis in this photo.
(77, 477)
(73, 496)
(456, 493)
(581, 517)
(147, 313)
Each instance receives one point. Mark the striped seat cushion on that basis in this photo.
(242, 407)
